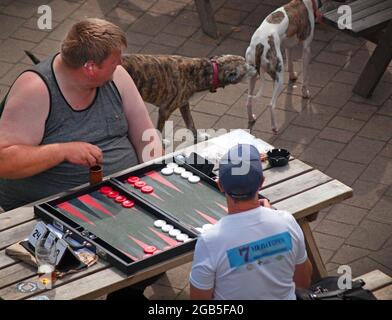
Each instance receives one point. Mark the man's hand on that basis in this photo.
(265, 203)
(82, 153)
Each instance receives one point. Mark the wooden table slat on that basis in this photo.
(356, 7)
(371, 10)
(109, 280)
(375, 280)
(373, 20)
(364, 4)
(280, 174)
(16, 273)
(11, 292)
(315, 199)
(295, 186)
(384, 293)
(6, 261)
(15, 217)
(363, 20)
(16, 234)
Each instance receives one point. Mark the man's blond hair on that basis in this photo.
(91, 40)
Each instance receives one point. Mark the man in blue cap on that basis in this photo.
(254, 252)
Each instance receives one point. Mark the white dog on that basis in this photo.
(286, 27)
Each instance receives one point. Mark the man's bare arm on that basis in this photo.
(22, 126)
(198, 294)
(303, 274)
(138, 118)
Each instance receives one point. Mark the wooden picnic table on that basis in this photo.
(372, 20)
(297, 188)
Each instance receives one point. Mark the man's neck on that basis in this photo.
(241, 206)
(71, 79)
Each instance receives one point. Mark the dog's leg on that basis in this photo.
(249, 101)
(293, 76)
(163, 115)
(278, 88)
(305, 67)
(277, 74)
(188, 119)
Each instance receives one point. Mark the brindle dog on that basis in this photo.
(168, 81)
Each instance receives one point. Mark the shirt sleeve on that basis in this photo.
(203, 272)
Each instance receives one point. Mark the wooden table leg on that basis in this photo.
(312, 217)
(206, 16)
(319, 270)
(376, 65)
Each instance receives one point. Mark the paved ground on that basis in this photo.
(343, 135)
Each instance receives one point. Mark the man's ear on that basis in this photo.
(219, 186)
(89, 67)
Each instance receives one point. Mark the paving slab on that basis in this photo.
(364, 235)
(335, 134)
(345, 171)
(366, 194)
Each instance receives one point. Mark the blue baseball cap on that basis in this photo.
(240, 171)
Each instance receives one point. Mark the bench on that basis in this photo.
(379, 284)
(372, 20)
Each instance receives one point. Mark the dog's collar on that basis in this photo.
(316, 11)
(215, 76)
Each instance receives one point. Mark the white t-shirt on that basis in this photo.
(250, 255)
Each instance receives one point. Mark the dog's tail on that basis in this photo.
(258, 56)
(32, 57)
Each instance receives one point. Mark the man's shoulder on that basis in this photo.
(276, 212)
(212, 234)
(28, 89)
(31, 83)
(281, 215)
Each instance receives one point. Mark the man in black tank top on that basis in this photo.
(73, 111)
